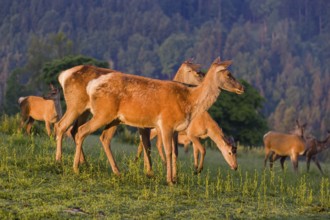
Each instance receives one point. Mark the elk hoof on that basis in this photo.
(76, 170)
(150, 174)
(117, 173)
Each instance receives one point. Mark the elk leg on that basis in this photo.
(199, 148)
(272, 159)
(267, 154)
(139, 150)
(159, 144)
(186, 147)
(316, 161)
(60, 128)
(167, 136)
(294, 160)
(145, 136)
(308, 162)
(153, 134)
(23, 121)
(84, 130)
(80, 120)
(282, 162)
(29, 125)
(174, 155)
(105, 139)
(195, 153)
(47, 125)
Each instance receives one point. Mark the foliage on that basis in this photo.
(240, 116)
(279, 47)
(13, 92)
(9, 124)
(52, 69)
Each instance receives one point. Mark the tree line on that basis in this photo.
(278, 47)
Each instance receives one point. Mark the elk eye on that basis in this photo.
(230, 153)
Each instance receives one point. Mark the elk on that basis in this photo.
(202, 126)
(313, 147)
(74, 82)
(146, 103)
(46, 109)
(282, 145)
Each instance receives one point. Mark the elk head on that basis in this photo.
(53, 94)
(227, 81)
(191, 73)
(229, 152)
(299, 129)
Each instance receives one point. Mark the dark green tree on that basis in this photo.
(52, 69)
(173, 51)
(240, 117)
(13, 91)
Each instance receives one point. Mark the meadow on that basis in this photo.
(34, 186)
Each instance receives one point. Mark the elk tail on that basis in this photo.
(21, 99)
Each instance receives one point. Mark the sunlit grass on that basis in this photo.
(33, 185)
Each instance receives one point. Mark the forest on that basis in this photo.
(279, 47)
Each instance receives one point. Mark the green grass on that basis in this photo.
(33, 186)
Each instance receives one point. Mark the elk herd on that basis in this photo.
(173, 111)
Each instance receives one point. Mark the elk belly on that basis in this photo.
(136, 120)
(182, 126)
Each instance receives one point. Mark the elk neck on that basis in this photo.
(204, 95)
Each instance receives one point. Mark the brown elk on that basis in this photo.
(143, 102)
(74, 82)
(202, 126)
(283, 145)
(46, 109)
(313, 148)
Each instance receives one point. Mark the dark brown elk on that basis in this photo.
(314, 147)
(47, 109)
(285, 145)
(143, 102)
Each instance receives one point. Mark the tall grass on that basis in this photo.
(33, 185)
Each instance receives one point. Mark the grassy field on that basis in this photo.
(33, 186)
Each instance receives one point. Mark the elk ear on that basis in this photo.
(226, 63)
(190, 60)
(217, 60)
(232, 141)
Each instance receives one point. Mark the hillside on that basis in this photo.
(280, 47)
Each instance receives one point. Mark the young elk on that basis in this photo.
(283, 145)
(46, 109)
(74, 82)
(202, 126)
(143, 102)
